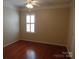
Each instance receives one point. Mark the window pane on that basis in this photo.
(32, 28)
(32, 19)
(28, 19)
(28, 27)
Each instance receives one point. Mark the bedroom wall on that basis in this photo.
(51, 26)
(71, 33)
(10, 24)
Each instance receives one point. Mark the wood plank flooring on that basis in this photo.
(19, 49)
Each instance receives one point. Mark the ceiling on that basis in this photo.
(21, 3)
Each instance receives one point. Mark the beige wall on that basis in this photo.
(51, 26)
(71, 33)
(10, 24)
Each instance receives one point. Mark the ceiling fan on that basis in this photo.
(31, 3)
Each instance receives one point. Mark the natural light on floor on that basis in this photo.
(30, 53)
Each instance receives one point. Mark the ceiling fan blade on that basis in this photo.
(35, 4)
(28, 1)
(32, 2)
(35, 1)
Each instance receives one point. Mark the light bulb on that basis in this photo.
(29, 6)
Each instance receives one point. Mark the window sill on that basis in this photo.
(30, 32)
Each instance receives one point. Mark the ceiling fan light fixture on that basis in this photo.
(29, 6)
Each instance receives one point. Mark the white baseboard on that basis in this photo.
(10, 43)
(35, 41)
(44, 42)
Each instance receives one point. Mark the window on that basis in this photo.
(30, 23)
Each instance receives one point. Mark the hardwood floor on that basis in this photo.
(19, 49)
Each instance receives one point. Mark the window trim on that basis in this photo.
(30, 23)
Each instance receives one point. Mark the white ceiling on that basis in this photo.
(21, 3)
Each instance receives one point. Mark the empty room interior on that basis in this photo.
(38, 29)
